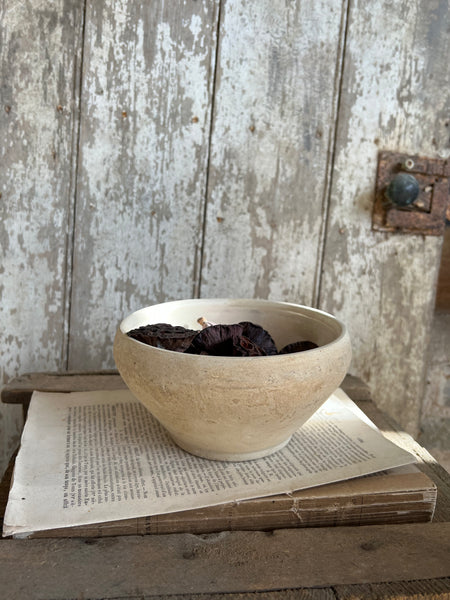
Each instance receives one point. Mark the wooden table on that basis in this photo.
(407, 561)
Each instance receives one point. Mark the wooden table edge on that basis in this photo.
(368, 544)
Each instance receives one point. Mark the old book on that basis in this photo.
(97, 463)
(402, 495)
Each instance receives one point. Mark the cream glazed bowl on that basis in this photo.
(234, 408)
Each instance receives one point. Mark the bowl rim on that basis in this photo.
(259, 301)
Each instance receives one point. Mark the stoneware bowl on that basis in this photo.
(234, 408)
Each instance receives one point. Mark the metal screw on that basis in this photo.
(409, 164)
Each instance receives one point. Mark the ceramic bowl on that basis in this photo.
(234, 408)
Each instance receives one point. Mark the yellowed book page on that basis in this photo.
(91, 457)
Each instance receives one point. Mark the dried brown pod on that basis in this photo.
(216, 340)
(164, 335)
(245, 347)
(260, 337)
(237, 339)
(300, 346)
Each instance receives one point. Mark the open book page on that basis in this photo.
(91, 457)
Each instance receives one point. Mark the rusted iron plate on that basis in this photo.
(427, 214)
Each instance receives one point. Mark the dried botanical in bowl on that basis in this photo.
(235, 339)
(236, 407)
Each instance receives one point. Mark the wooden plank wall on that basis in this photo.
(273, 127)
(395, 95)
(154, 151)
(144, 140)
(40, 58)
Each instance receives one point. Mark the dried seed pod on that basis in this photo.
(237, 339)
(164, 335)
(300, 346)
(260, 337)
(245, 347)
(216, 340)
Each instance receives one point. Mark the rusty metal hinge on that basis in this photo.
(412, 194)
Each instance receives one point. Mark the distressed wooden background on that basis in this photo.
(157, 150)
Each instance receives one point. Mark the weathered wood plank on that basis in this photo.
(39, 69)
(436, 589)
(145, 124)
(273, 127)
(443, 283)
(299, 594)
(19, 390)
(426, 462)
(435, 416)
(225, 562)
(395, 96)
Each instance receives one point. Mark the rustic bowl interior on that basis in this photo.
(283, 321)
(234, 408)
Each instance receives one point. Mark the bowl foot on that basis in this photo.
(228, 456)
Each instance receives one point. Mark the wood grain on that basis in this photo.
(20, 389)
(394, 97)
(443, 283)
(426, 462)
(225, 562)
(273, 126)
(146, 105)
(365, 563)
(245, 171)
(39, 67)
(298, 594)
(436, 589)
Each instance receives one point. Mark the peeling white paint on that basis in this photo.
(35, 150)
(143, 153)
(146, 103)
(271, 133)
(382, 285)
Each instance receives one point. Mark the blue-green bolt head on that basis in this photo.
(403, 190)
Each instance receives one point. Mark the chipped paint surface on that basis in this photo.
(395, 97)
(273, 125)
(38, 50)
(146, 105)
(175, 153)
